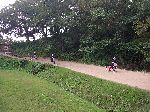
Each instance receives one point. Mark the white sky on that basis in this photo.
(4, 3)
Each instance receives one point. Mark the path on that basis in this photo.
(135, 79)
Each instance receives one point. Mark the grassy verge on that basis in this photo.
(21, 92)
(104, 94)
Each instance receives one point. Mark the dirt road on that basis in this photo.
(135, 79)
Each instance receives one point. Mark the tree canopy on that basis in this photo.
(90, 28)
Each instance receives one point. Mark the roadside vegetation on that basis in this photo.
(103, 94)
(22, 92)
(92, 31)
(87, 31)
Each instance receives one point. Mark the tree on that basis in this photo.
(17, 19)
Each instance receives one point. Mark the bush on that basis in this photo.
(37, 68)
(132, 56)
(32, 67)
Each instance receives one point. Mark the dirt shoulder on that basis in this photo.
(135, 79)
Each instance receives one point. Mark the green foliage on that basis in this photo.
(23, 63)
(21, 92)
(88, 31)
(8, 63)
(134, 55)
(142, 26)
(27, 48)
(31, 67)
(37, 68)
(104, 94)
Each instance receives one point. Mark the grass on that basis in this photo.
(107, 95)
(21, 92)
(104, 94)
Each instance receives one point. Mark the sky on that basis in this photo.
(4, 3)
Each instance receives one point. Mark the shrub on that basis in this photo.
(37, 68)
(32, 67)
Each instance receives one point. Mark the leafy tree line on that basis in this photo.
(91, 31)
